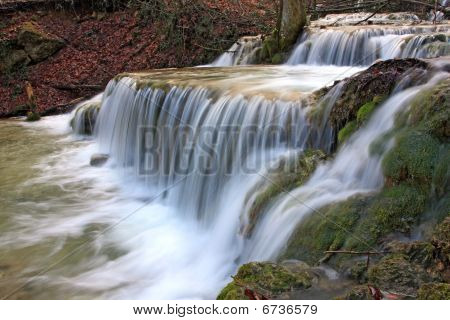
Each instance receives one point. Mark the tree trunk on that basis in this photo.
(291, 20)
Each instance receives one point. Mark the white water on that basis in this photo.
(363, 46)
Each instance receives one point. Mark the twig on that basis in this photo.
(370, 16)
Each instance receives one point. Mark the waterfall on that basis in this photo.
(355, 170)
(200, 136)
(244, 51)
(363, 46)
(84, 115)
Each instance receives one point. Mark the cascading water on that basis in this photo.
(362, 46)
(170, 226)
(353, 171)
(179, 119)
(243, 52)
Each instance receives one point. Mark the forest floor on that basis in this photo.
(99, 45)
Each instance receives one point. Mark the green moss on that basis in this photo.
(394, 273)
(360, 292)
(232, 292)
(434, 291)
(367, 109)
(328, 230)
(395, 209)
(413, 158)
(268, 279)
(277, 58)
(269, 48)
(347, 131)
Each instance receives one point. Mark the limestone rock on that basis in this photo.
(36, 43)
(12, 56)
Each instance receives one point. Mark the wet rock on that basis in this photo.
(377, 81)
(33, 116)
(264, 278)
(36, 43)
(289, 175)
(396, 275)
(99, 159)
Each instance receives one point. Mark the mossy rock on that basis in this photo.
(12, 56)
(85, 118)
(277, 58)
(379, 80)
(265, 278)
(441, 242)
(269, 48)
(434, 291)
(38, 44)
(33, 116)
(329, 230)
(347, 131)
(395, 274)
(285, 178)
(360, 292)
(412, 158)
(430, 111)
(397, 208)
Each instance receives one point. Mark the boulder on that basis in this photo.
(99, 159)
(36, 43)
(265, 279)
(12, 56)
(396, 275)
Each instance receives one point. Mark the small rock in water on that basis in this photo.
(98, 159)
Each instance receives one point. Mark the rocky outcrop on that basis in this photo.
(372, 86)
(31, 46)
(266, 280)
(12, 56)
(36, 43)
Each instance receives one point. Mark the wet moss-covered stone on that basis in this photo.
(265, 278)
(377, 81)
(395, 274)
(328, 230)
(347, 131)
(413, 158)
(360, 292)
(33, 116)
(289, 176)
(434, 291)
(430, 111)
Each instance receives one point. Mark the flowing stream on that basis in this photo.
(188, 150)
